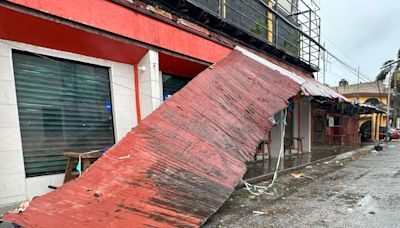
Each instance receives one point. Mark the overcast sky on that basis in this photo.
(368, 32)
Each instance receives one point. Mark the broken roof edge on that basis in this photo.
(309, 86)
(270, 65)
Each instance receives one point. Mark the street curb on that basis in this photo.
(337, 157)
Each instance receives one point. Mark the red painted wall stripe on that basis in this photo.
(137, 97)
(117, 19)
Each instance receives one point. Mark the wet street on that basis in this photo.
(360, 190)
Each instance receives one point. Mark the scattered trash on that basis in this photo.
(252, 197)
(378, 147)
(338, 163)
(391, 146)
(309, 167)
(300, 175)
(371, 212)
(257, 190)
(297, 174)
(22, 207)
(374, 151)
(265, 212)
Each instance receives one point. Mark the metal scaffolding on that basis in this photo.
(289, 25)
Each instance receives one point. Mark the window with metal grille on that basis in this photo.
(63, 106)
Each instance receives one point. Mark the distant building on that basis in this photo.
(372, 94)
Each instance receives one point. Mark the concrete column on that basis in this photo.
(378, 125)
(276, 137)
(150, 83)
(302, 122)
(373, 126)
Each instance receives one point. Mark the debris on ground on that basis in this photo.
(332, 185)
(265, 212)
(297, 174)
(22, 207)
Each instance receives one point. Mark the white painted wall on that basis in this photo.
(305, 123)
(150, 83)
(14, 187)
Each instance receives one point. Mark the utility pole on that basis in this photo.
(324, 60)
(392, 67)
(395, 92)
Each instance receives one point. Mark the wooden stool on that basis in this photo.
(261, 150)
(87, 158)
(299, 144)
(289, 145)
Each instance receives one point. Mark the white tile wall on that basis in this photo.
(6, 69)
(10, 162)
(9, 118)
(7, 92)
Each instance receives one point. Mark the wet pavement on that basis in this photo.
(360, 190)
(293, 160)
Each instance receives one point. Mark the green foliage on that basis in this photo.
(258, 27)
(382, 75)
(384, 72)
(398, 54)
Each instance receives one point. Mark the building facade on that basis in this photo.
(373, 94)
(79, 80)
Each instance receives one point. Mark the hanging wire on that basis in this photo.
(69, 67)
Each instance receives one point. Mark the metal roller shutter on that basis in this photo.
(63, 106)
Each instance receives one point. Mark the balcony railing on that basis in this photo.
(289, 25)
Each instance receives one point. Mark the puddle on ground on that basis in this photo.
(293, 160)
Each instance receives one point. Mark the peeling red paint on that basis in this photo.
(184, 159)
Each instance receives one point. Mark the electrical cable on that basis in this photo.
(68, 67)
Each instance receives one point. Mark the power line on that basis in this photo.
(347, 66)
(354, 69)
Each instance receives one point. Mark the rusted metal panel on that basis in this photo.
(311, 87)
(184, 159)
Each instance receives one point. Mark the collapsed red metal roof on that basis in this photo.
(182, 162)
(309, 86)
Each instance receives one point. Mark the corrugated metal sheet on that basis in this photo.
(184, 159)
(309, 86)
